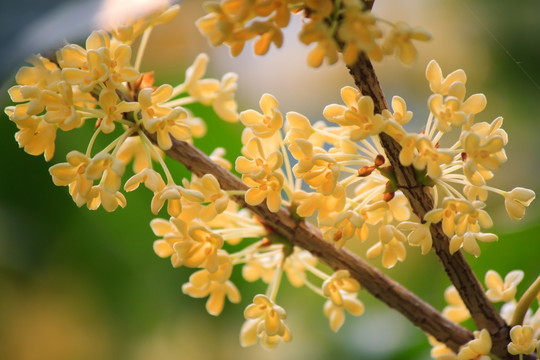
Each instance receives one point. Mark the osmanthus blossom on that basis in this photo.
(456, 309)
(497, 290)
(477, 349)
(523, 341)
(264, 322)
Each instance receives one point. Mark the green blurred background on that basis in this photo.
(79, 284)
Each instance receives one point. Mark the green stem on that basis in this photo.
(525, 302)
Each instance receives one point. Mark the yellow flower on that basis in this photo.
(326, 47)
(101, 62)
(336, 313)
(440, 351)
(516, 201)
(268, 188)
(481, 153)
(214, 285)
(171, 232)
(173, 194)
(523, 341)
(439, 84)
(456, 309)
(499, 290)
(133, 148)
(162, 120)
(107, 167)
(450, 208)
(255, 163)
(215, 200)
(101, 196)
(452, 110)
(419, 235)
(264, 320)
(266, 124)
(114, 109)
(203, 251)
(151, 179)
(359, 114)
(359, 31)
(211, 91)
(35, 134)
(390, 245)
(339, 284)
(73, 174)
(60, 107)
(401, 114)
(477, 349)
(431, 158)
(399, 40)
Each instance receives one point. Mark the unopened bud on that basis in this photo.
(388, 196)
(379, 160)
(365, 171)
(338, 235)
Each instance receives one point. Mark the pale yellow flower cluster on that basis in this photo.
(329, 25)
(101, 82)
(525, 337)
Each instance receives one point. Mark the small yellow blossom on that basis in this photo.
(439, 84)
(419, 235)
(114, 109)
(481, 153)
(440, 351)
(73, 174)
(477, 349)
(523, 341)
(134, 149)
(359, 31)
(430, 157)
(101, 196)
(453, 110)
(399, 40)
(264, 321)
(502, 291)
(151, 179)
(60, 108)
(173, 193)
(339, 284)
(326, 46)
(214, 285)
(203, 251)
(450, 208)
(171, 232)
(516, 201)
(456, 309)
(390, 245)
(336, 313)
(266, 124)
(107, 167)
(215, 201)
(268, 188)
(255, 162)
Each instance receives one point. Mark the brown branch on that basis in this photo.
(483, 313)
(306, 236)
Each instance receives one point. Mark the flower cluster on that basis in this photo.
(330, 25)
(100, 83)
(525, 337)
